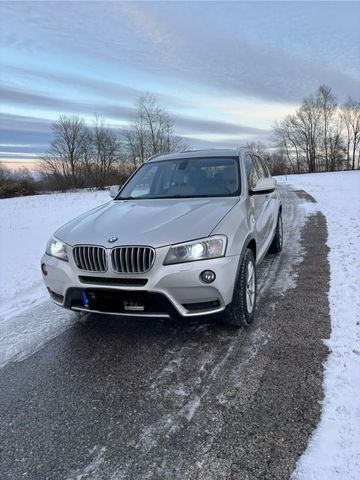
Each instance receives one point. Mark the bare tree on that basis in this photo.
(326, 100)
(133, 145)
(105, 152)
(69, 151)
(151, 131)
(277, 163)
(308, 125)
(350, 116)
(298, 136)
(320, 135)
(336, 147)
(287, 139)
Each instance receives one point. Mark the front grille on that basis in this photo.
(132, 259)
(90, 258)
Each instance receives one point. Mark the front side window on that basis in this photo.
(251, 171)
(260, 167)
(193, 177)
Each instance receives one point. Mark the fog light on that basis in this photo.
(44, 269)
(207, 276)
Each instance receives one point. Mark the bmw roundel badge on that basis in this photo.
(112, 238)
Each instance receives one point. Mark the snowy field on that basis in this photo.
(334, 450)
(26, 223)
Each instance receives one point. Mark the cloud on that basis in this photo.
(10, 122)
(87, 85)
(13, 96)
(184, 125)
(189, 126)
(29, 155)
(271, 51)
(27, 134)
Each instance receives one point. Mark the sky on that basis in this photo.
(225, 71)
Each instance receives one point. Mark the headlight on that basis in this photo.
(57, 249)
(202, 249)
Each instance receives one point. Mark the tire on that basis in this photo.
(277, 243)
(241, 311)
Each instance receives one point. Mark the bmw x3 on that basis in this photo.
(181, 238)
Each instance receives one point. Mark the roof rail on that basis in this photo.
(194, 150)
(156, 155)
(238, 150)
(182, 151)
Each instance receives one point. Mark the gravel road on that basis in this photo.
(142, 399)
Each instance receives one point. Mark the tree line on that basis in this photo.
(322, 135)
(82, 155)
(16, 183)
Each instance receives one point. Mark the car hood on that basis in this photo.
(155, 222)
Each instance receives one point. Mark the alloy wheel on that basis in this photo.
(250, 287)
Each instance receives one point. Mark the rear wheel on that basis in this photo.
(277, 243)
(241, 311)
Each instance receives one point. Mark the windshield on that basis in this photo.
(185, 178)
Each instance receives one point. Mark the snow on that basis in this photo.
(333, 452)
(91, 470)
(26, 223)
(191, 407)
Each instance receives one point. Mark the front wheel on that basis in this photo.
(241, 311)
(277, 243)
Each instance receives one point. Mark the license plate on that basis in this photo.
(133, 306)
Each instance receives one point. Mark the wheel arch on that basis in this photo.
(251, 245)
(248, 243)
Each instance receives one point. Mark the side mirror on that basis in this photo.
(114, 190)
(263, 186)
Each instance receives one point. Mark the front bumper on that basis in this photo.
(166, 290)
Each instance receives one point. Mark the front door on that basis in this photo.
(260, 205)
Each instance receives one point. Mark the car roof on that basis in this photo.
(212, 152)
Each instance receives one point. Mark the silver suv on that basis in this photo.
(181, 238)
